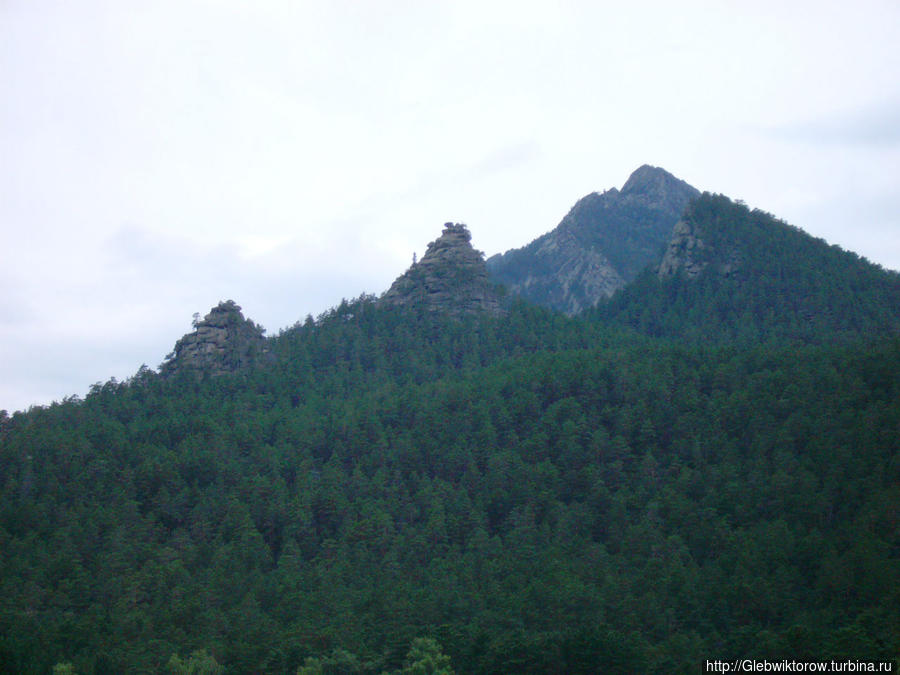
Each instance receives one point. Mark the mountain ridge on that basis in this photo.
(603, 242)
(714, 242)
(674, 473)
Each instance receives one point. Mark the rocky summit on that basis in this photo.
(451, 277)
(222, 342)
(603, 243)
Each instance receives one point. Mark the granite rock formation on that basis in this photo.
(683, 253)
(688, 252)
(451, 277)
(222, 342)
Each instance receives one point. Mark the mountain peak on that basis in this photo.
(222, 342)
(644, 176)
(604, 242)
(658, 185)
(451, 277)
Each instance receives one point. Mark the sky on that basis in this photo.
(156, 158)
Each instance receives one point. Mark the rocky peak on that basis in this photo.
(222, 342)
(603, 243)
(451, 277)
(652, 185)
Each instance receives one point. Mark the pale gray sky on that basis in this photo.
(156, 158)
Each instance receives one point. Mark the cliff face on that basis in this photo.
(604, 242)
(222, 342)
(690, 252)
(562, 272)
(451, 277)
(684, 252)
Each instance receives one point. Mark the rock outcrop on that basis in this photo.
(222, 342)
(688, 252)
(684, 252)
(451, 277)
(604, 242)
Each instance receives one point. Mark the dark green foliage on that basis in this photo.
(426, 658)
(762, 279)
(527, 494)
(199, 663)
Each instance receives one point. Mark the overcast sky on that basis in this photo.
(157, 157)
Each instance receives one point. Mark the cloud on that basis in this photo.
(874, 126)
(508, 156)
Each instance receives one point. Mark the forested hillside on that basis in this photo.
(736, 275)
(529, 493)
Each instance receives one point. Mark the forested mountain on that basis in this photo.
(730, 273)
(705, 466)
(601, 245)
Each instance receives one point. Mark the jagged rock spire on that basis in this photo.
(451, 277)
(222, 342)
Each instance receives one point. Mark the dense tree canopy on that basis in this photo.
(762, 279)
(402, 492)
(532, 494)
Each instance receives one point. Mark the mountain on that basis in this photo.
(222, 342)
(602, 244)
(451, 277)
(731, 273)
(706, 463)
